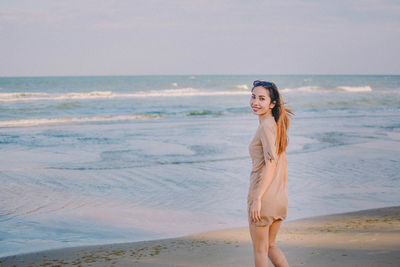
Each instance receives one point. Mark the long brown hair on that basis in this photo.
(281, 115)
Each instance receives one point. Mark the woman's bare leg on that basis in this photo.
(274, 253)
(259, 236)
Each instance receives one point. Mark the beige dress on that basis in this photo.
(274, 202)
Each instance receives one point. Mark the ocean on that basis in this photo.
(109, 159)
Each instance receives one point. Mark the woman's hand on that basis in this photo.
(255, 210)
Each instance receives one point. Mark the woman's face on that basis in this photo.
(260, 101)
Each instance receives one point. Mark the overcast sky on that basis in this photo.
(137, 37)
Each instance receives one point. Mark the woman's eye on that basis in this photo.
(262, 99)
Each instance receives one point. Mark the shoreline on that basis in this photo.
(360, 238)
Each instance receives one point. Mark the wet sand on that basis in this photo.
(363, 238)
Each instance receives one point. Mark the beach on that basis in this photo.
(363, 238)
(87, 161)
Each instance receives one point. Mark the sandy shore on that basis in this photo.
(364, 238)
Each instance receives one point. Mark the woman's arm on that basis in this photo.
(267, 136)
(266, 179)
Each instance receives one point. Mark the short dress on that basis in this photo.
(274, 202)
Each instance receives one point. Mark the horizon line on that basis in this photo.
(138, 75)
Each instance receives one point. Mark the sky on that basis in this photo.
(164, 37)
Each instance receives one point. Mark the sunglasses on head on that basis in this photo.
(262, 83)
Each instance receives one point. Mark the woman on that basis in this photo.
(267, 197)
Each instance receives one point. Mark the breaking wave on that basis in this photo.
(36, 122)
(25, 96)
(327, 90)
(355, 88)
(242, 87)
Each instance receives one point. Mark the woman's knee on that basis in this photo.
(260, 248)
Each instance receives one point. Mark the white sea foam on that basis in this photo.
(22, 96)
(35, 122)
(27, 96)
(303, 89)
(242, 86)
(355, 88)
(308, 88)
(325, 90)
(243, 90)
(181, 92)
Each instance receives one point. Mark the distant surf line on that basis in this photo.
(37, 122)
(239, 90)
(38, 96)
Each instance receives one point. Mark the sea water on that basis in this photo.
(96, 160)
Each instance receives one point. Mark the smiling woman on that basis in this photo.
(267, 197)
